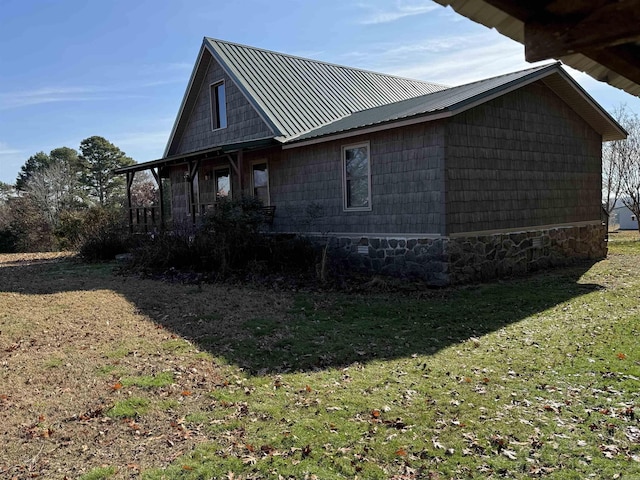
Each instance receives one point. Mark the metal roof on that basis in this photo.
(607, 63)
(305, 100)
(297, 94)
(456, 99)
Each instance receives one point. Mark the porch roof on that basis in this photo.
(199, 155)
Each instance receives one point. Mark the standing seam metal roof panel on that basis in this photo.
(264, 79)
(458, 97)
(298, 94)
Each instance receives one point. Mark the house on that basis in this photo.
(623, 217)
(406, 177)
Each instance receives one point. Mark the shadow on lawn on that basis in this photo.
(266, 332)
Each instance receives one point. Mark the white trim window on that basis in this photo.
(356, 177)
(260, 180)
(218, 98)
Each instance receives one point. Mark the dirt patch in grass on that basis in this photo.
(87, 379)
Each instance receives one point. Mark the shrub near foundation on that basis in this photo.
(230, 241)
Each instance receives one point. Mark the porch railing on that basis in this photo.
(144, 219)
(148, 219)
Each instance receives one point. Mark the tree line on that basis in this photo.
(57, 195)
(621, 166)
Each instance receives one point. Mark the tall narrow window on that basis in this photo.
(218, 106)
(223, 183)
(356, 177)
(260, 180)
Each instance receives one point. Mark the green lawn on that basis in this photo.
(525, 378)
(534, 377)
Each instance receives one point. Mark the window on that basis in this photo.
(218, 106)
(356, 177)
(260, 181)
(222, 180)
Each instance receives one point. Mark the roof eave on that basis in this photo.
(259, 143)
(608, 127)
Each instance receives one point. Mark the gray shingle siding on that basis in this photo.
(406, 184)
(523, 159)
(243, 122)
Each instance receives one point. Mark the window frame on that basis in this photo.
(343, 165)
(227, 170)
(253, 187)
(214, 105)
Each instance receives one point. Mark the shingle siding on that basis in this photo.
(243, 122)
(406, 184)
(523, 159)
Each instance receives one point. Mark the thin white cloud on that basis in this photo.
(38, 97)
(455, 68)
(5, 149)
(12, 159)
(399, 9)
(449, 60)
(171, 73)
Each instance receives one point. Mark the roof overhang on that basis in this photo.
(600, 38)
(200, 155)
(554, 77)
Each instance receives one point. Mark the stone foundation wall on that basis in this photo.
(423, 258)
(484, 257)
(444, 261)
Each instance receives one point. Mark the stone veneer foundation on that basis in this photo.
(469, 258)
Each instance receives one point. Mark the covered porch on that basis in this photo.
(188, 186)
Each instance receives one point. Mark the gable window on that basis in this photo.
(356, 175)
(222, 180)
(260, 181)
(218, 106)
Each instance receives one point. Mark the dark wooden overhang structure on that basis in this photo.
(233, 153)
(598, 37)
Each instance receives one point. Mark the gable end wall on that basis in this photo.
(243, 122)
(521, 160)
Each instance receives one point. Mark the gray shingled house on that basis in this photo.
(450, 184)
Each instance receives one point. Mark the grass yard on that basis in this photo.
(111, 377)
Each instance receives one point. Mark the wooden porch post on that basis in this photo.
(237, 168)
(130, 176)
(240, 171)
(156, 175)
(193, 169)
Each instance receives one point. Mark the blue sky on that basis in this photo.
(70, 69)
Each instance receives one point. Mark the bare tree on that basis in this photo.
(53, 190)
(630, 164)
(613, 155)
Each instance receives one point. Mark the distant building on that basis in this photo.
(623, 217)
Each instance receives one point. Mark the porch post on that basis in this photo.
(193, 169)
(240, 171)
(237, 168)
(156, 175)
(130, 176)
